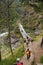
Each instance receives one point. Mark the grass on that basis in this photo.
(41, 34)
(41, 59)
(33, 62)
(19, 52)
(33, 37)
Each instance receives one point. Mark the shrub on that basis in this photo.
(17, 53)
(33, 62)
(41, 59)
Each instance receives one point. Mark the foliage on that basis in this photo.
(17, 53)
(33, 62)
(38, 7)
(41, 59)
(13, 15)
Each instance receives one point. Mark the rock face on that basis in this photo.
(14, 39)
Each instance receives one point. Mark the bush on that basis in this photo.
(39, 7)
(33, 62)
(17, 53)
(41, 59)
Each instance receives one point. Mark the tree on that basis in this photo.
(0, 53)
(5, 14)
(9, 26)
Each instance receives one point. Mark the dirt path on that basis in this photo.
(37, 51)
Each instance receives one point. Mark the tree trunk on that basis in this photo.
(9, 29)
(0, 55)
